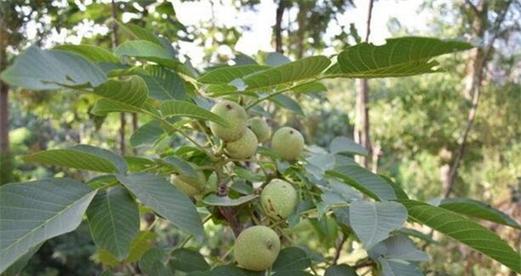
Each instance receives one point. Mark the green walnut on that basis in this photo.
(260, 127)
(236, 117)
(243, 148)
(190, 185)
(288, 143)
(257, 248)
(279, 199)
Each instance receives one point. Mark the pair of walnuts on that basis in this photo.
(242, 135)
(257, 247)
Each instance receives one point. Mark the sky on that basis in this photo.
(259, 36)
(260, 22)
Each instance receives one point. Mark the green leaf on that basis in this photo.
(391, 267)
(116, 159)
(147, 134)
(404, 56)
(291, 259)
(276, 58)
(188, 260)
(137, 32)
(163, 83)
(288, 103)
(33, 212)
(93, 53)
(398, 247)
(104, 106)
(227, 74)
(153, 263)
(374, 221)
(38, 69)
(364, 181)
(157, 193)
(312, 87)
(21, 263)
(190, 110)
(77, 157)
(345, 145)
(464, 230)
(287, 73)
(142, 49)
(114, 221)
(477, 209)
(215, 200)
(140, 245)
(132, 91)
(340, 270)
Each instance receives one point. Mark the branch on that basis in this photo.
(338, 249)
(473, 7)
(368, 22)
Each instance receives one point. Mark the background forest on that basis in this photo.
(455, 133)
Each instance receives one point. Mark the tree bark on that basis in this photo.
(5, 158)
(122, 118)
(278, 25)
(362, 125)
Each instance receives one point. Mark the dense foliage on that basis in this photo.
(208, 158)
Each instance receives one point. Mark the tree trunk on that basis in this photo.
(362, 109)
(278, 25)
(479, 61)
(5, 158)
(122, 119)
(474, 89)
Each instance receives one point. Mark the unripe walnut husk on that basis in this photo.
(257, 248)
(279, 199)
(260, 127)
(288, 143)
(243, 148)
(236, 117)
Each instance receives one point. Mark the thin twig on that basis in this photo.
(338, 249)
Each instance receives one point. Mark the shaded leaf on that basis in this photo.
(143, 241)
(147, 134)
(157, 193)
(288, 103)
(291, 259)
(340, 270)
(38, 69)
(188, 260)
(398, 247)
(345, 145)
(153, 263)
(364, 181)
(215, 200)
(374, 221)
(93, 53)
(33, 212)
(114, 221)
